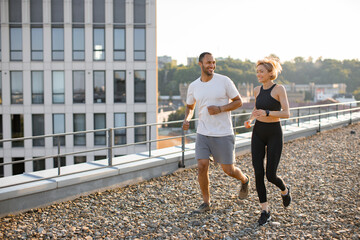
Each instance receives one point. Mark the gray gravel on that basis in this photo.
(323, 170)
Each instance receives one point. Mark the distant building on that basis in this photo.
(162, 60)
(344, 98)
(192, 60)
(318, 92)
(324, 91)
(246, 91)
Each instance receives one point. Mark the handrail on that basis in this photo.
(110, 133)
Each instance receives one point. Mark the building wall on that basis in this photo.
(89, 108)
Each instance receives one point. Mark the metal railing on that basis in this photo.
(303, 115)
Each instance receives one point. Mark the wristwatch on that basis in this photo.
(267, 112)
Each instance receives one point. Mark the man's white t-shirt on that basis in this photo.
(218, 91)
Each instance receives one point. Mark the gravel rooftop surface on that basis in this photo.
(323, 171)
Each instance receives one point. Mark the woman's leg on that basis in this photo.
(274, 150)
(258, 154)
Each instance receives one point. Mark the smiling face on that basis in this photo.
(208, 65)
(262, 74)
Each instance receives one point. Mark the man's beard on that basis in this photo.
(208, 73)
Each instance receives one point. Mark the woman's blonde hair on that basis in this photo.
(272, 65)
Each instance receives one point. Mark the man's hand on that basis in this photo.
(186, 125)
(214, 110)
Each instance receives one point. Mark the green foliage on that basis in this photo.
(298, 71)
(356, 94)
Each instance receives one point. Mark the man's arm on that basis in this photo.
(189, 112)
(236, 102)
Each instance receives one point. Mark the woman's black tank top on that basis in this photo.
(266, 102)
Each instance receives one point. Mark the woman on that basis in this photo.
(271, 104)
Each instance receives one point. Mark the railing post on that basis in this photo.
(319, 119)
(58, 157)
(149, 140)
(110, 141)
(337, 109)
(182, 162)
(298, 119)
(328, 111)
(350, 114)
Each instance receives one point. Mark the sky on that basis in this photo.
(253, 29)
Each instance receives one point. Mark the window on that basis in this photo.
(140, 132)
(98, 11)
(139, 30)
(99, 86)
(119, 44)
(15, 43)
(139, 44)
(119, 87)
(38, 165)
(1, 168)
(119, 14)
(79, 159)
(57, 11)
(0, 45)
(62, 161)
(36, 11)
(119, 11)
(38, 126)
(18, 168)
(78, 86)
(0, 85)
(17, 129)
(57, 43)
(78, 12)
(78, 43)
(140, 86)
(15, 11)
(37, 87)
(57, 30)
(100, 157)
(99, 123)
(79, 125)
(59, 127)
(36, 44)
(36, 18)
(119, 134)
(58, 87)
(1, 130)
(99, 44)
(139, 11)
(16, 82)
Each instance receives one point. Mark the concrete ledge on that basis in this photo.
(126, 170)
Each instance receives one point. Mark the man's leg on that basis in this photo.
(234, 172)
(203, 178)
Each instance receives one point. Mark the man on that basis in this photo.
(216, 95)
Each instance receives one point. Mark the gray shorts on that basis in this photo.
(221, 148)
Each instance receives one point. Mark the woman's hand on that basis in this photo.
(247, 124)
(259, 113)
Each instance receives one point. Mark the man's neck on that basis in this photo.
(206, 78)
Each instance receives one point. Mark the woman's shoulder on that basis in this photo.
(257, 88)
(279, 87)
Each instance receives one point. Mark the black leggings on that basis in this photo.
(266, 135)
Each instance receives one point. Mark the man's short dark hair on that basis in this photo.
(201, 57)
